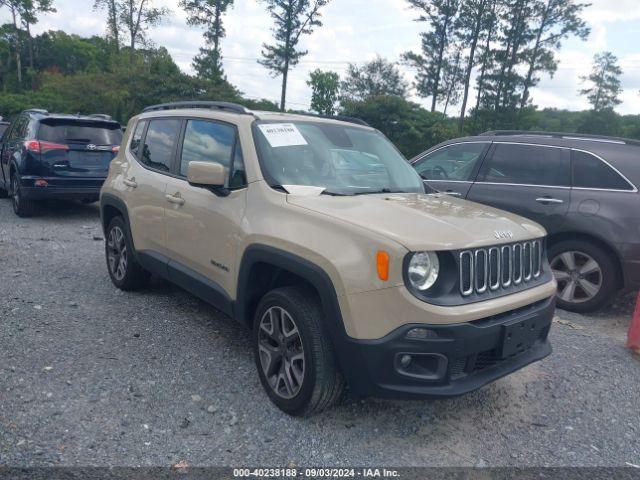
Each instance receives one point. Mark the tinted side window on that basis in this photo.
(206, 141)
(161, 137)
(17, 133)
(134, 147)
(591, 172)
(528, 165)
(455, 162)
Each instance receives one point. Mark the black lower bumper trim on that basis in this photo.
(41, 193)
(451, 359)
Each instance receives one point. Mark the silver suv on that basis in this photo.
(319, 236)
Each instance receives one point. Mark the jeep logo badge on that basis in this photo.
(503, 234)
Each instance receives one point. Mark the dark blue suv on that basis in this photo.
(45, 155)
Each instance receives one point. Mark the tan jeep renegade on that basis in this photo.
(320, 237)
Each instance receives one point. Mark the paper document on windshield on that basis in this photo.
(282, 134)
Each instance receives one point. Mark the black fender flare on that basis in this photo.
(310, 272)
(110, 200)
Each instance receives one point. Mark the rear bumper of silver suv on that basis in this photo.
(449, 360)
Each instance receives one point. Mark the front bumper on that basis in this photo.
(63, 188)
(454, 359)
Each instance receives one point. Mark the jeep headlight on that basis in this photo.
(423, 270)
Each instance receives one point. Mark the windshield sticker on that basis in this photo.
(282, 134)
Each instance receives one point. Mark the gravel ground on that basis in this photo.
(93, 376)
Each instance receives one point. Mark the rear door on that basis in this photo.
(452, 168)
(144, 178)
(530, 180)
(78, 148)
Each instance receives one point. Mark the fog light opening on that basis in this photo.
(421, 334)
(405, 360)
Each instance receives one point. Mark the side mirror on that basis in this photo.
(207, 174)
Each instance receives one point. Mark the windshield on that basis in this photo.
(344, 160)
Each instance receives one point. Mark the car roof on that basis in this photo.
(622, 154)
(227, 111)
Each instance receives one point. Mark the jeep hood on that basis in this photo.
(424, 222)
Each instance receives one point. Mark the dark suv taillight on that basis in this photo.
(36, 146)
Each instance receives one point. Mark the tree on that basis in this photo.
(605, 82)
(374, 78)
(113, 18)
(473, 21)
(292, 18)
(325, 87)
(208, 14)
(440, 15)
(506, 79)
(136, 17)
(409, 126)
(556, 20)
(452, 76)
(486, 57)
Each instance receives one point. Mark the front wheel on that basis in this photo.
(293, 353)
(586, 275)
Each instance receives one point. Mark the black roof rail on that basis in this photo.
(342, 118)
(41, 111)
(231, 107)
(565, 135)
(102, 116)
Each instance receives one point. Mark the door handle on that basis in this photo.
(175, 199)
(130, 182)
(545, 200)
(452, 193)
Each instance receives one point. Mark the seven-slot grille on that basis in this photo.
(499, 267)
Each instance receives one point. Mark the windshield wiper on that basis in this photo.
(382, 190)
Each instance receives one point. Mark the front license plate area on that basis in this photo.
(519, 336)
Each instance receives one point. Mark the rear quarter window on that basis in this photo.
(591, 172)
(66, 132)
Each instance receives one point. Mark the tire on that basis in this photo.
(22, 207)
(583, 277)
(321, 383)
(125, 271)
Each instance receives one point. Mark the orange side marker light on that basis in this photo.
(382, 259)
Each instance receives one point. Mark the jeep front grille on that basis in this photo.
(500, 267)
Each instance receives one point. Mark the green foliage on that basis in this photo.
(440, 16)
(411, 128)
(375, 78)
(208, 14)
(325, 87)
(605, 89)
(292, 19)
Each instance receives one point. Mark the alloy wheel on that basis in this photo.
(578, 275)
(281, 352)
(117, 253)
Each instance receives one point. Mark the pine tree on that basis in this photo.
(208, 14)
(605, 79)
(440, 16)
(555, 21)
(292, 19)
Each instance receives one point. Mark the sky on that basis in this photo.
(355, 31)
